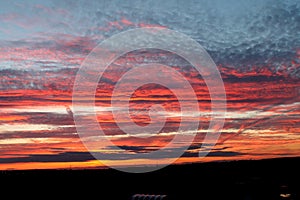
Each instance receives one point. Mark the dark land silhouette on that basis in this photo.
(245, 180)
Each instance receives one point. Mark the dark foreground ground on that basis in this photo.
(245, 180)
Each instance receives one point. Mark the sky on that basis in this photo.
(255, 45)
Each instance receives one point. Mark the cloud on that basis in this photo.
(44, 44)
(61, 157)
(168, 153)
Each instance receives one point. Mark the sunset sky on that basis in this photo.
(256, 47)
